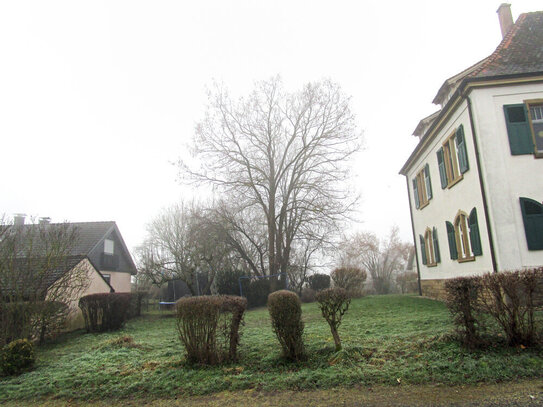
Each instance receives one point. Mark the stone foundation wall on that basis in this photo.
(433, 289)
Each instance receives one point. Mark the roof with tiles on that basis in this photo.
(520, 52)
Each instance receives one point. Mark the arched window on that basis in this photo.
(532, 216)
(464, 238)
(430, 248)
(461, 233)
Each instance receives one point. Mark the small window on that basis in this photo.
(107, 278)
(452, 159)
(109, 246)
(422, 187)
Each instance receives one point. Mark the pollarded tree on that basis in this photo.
(282, 153)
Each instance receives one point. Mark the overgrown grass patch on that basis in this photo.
(391, 340)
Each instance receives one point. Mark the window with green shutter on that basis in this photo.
(452, 241)
(416, 193)
(442, 171)
(454, 157)
(461, 150)
(437, 256)
(422, 187)
(532, 216)
(427, 181)
(518, 129)
(423, 250)
(474, 235)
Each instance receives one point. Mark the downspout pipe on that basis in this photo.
(482, 186)
(414, 236)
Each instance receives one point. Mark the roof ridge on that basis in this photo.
(503, 44)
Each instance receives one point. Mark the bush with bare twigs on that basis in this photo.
(334, 303)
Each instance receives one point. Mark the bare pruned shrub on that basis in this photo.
(208, 327)
(286, 316)
(232, 311)
(334, 303)
(462, 299)
(105, 311)
(509, 297)
(350, 278)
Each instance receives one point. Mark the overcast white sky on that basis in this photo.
(97, 98)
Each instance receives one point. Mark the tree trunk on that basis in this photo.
(336, 339)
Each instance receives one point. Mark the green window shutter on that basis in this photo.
(428, 181)
(474, 236)
(423, 250)
(442, 171)
(532, 216)
(461, 149)
(416, 193)
(436, 246)
(452, 241)
(518, 129)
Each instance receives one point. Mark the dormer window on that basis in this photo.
(109, 246)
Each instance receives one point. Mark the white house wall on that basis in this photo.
(507, 177)
(445, 204)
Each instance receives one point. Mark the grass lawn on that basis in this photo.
(387, 340)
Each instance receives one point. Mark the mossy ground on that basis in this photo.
(388, 341)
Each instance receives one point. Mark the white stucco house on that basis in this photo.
(475, 179)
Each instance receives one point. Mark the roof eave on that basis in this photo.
(460, 93)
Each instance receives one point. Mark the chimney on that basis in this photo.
(19, 219)
(45, 221)
(505, 17)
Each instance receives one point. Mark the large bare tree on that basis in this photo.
(285, 154)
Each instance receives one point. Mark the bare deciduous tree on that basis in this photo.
(181, 245)
(39, 276)
(380, 258)
(282, 153)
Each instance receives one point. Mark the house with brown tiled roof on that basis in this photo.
(475, 179)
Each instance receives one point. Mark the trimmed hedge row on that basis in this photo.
(31, 320)
(509, 298)
(105, 311)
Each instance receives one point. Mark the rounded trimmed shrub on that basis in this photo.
(286, 315)
(17, 356)
(208, 326)
(318, 282)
